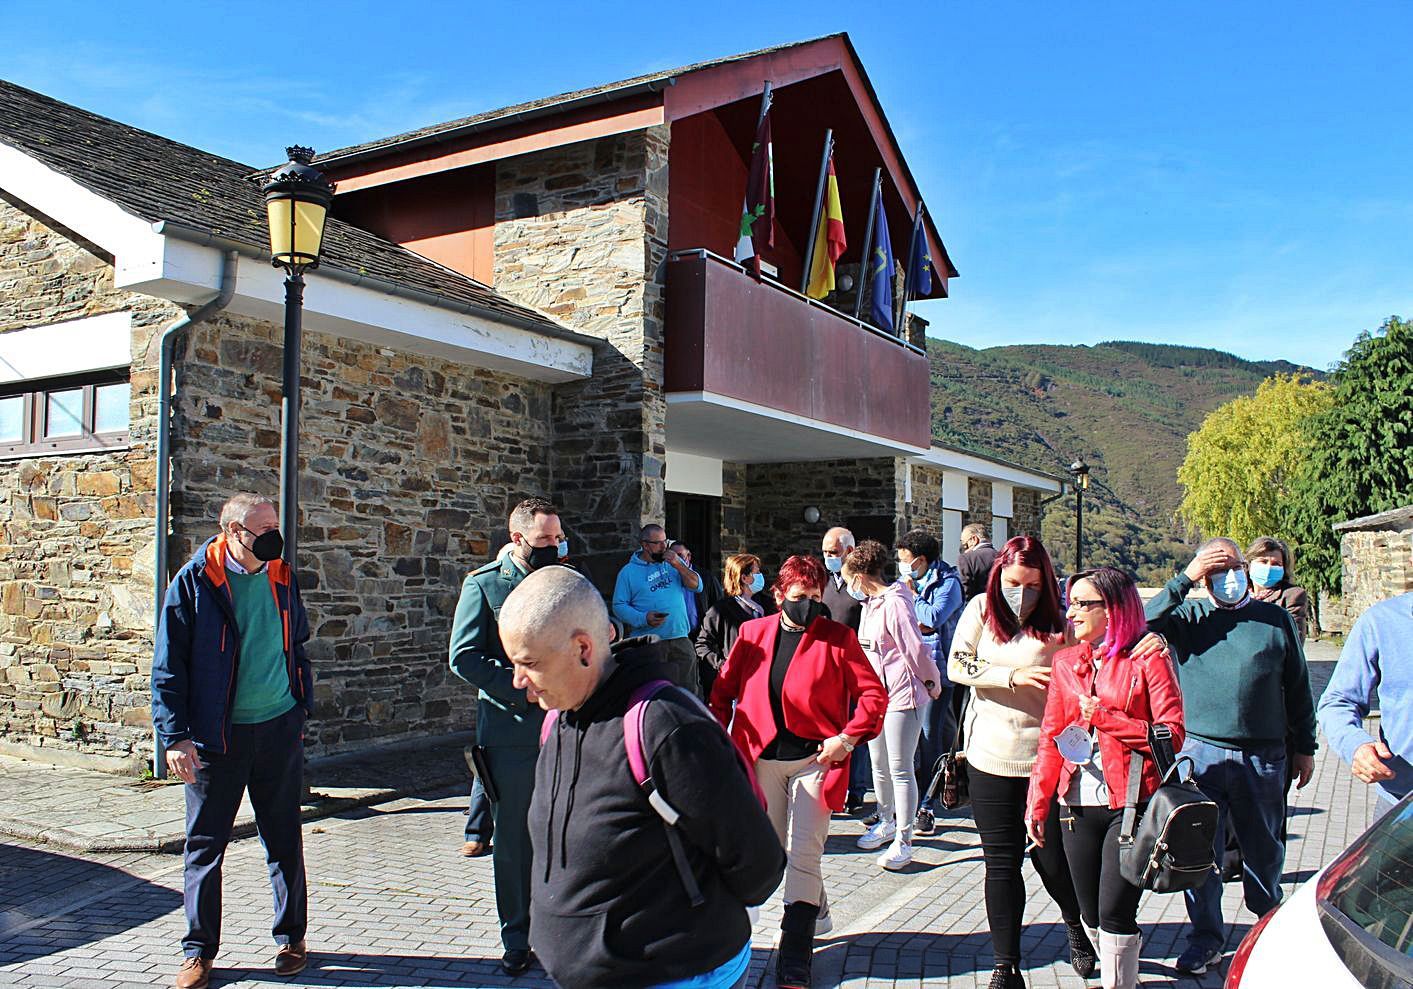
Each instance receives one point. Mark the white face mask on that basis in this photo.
(1022, 600)
(1229, 587)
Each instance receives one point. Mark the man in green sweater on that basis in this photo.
(1247, 708)
(507, 725)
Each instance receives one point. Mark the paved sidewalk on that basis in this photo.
(393, 904)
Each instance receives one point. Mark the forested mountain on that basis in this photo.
(1125, 408)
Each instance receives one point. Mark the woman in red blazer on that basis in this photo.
(1102, 701)
(785, 693)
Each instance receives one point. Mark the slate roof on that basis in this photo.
(521, 110)
(1395, 519)
(159, 179)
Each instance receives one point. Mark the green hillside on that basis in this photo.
(1125, 408)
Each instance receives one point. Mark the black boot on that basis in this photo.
(1006, 976)
(1082, 956)
(792, 961)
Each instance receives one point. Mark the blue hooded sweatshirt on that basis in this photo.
(643, 587)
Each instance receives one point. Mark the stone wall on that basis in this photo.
(1025, 503)
(581, 234)
(1375, 565)
(76, 532)
(926, 508)
(978, 503)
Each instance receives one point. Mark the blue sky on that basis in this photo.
(1229, 175)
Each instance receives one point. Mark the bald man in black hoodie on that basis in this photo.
(610, 902)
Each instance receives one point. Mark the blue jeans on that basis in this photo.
(938, 733)
(860, 772)
(478, 820)
(1247, 785)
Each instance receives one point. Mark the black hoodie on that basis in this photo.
(607, 907)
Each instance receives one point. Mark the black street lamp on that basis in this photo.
(1079, 470)
(297, 199)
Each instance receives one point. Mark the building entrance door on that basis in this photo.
(696, 521)
(879, 527)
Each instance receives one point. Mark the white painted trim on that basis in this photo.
(956, 490)
(951, 535)
(712, 398)
(987, 469)
(92, 343)
(1002, 499)
(688, 473)
(1000, 529)
(186, 273)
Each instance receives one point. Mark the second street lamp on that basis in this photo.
(297, 199)
(1080, 471)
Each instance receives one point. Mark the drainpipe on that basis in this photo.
(223, 298)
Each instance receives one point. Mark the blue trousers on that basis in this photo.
(938, 732)
(478, 821)
(860, 772)
(268, 760)
(1248, 787)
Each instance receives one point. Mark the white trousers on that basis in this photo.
(894, 783)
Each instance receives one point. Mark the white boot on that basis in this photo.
(1118, 959)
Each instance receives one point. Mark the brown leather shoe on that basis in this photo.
(291, 959)
(195, 973)
(475, 849)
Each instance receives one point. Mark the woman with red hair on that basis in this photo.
(1003, 648)
(785, 693)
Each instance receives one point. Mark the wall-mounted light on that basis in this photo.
(811, 514)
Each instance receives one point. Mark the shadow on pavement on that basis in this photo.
(28, 877)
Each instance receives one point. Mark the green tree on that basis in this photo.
(1360, 450)
(1237, 474)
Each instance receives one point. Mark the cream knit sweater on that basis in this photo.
(1002, 722)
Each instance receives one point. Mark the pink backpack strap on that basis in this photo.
(633, 728)
(547, 725)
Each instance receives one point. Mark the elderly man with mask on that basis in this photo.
(1246, 690)
(507, 724)
(622, 898)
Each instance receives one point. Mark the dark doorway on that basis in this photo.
(882, 528)
(696, 521)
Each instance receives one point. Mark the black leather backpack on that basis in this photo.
(1171, 850)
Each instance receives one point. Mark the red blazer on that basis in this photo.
(828, 672)
(1132, 694)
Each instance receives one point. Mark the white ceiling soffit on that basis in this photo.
(987, 470)
(711, 425)
(189, 274)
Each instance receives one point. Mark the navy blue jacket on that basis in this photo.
(195, 653)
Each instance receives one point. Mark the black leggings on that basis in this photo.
(1091, 836)
(998, 806)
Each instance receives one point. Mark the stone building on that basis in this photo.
(1376, 562)
(535, 300)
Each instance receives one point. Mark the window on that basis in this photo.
(1365, 901)
(74, 414)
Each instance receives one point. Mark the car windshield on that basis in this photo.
(1373, 886)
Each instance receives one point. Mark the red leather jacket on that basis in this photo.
(1132, 694)
(828, 672)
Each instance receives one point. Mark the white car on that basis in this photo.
(1349, 926)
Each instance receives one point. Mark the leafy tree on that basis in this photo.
(1237, 475)
(1361, 450)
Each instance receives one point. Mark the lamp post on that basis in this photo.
(297, 200)
(1079, 470)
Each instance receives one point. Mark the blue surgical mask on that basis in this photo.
(1228, 587)
(563, 548)
(1267, 574)
(857, 595)
(834, 563)
(757, 583)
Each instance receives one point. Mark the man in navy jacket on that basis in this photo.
(231, 689)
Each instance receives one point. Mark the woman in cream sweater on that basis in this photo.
(1005, 641)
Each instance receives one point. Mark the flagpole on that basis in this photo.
(765, 100)
(912, 249)
(818, 207)
(868, 242)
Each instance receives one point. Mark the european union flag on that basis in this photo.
(920, 264)
(880, 270)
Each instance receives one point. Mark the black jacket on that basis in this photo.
(975, 567)
(841, 604)
(719, 629)
(607, 907)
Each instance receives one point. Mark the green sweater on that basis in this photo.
(262, 673)
(1242, 671)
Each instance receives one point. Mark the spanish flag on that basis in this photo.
(829, 240)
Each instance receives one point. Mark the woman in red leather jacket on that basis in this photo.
(1101, 702)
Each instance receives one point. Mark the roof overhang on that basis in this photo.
(183, 266)
(710, 425)
(988, 469)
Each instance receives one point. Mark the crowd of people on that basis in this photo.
(651, 768)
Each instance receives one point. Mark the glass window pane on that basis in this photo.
(64, 413)
(111, 407)
(12, 419)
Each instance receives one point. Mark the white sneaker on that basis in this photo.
(899, 854)
(824, 923)
(877, 836)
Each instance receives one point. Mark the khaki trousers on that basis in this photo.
(794, 798)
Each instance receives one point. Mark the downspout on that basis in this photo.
(229, 265)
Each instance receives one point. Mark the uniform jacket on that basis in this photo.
(1132, 695)
(503, 715)
(197, 649)
(829, 670)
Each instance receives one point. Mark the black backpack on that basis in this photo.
(1172, 848)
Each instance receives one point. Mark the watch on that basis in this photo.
(848, 745)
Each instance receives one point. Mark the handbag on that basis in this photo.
(951, 785)
(1170, 850)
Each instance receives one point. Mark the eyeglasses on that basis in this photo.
(1086, 605)
(654, 542)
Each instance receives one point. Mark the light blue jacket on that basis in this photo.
(643, 587)
(1378, 655)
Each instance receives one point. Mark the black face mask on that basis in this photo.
(657, 556)
(542, 556)
(802, 612)
(267, 546)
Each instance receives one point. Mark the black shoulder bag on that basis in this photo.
(1171, 849)
(950, 784)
